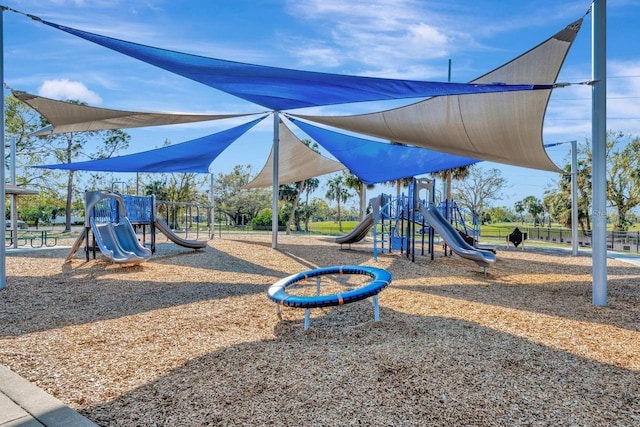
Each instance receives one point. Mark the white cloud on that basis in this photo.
(311, 56)
(406, 39)
(623, 92)
(67, 90)
(384, 37)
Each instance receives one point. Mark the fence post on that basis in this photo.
(612, 240)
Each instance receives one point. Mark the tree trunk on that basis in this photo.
(67, 217)
(69, 152)
(294, 206)
(622, 219)
(363, 201)
(339, 219)
(306, 217)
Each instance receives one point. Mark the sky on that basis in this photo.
(408, 39)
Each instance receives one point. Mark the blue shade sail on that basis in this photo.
(281, 88)
(373, 161)
(191, 156)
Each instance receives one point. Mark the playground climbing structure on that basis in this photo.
(408, 223)
(111, 221)
(400, 225)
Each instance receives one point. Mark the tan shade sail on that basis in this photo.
(70, 117)
(501, 127)
(297, 162)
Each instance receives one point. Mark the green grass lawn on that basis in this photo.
(332, 227)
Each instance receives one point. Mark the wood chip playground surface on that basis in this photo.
(190, 338)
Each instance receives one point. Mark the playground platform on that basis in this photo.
(26, 405)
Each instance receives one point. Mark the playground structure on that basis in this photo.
(406, 222)
(111, 220)
(399, 224)
(380, 279)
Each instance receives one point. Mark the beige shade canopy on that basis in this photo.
(71, 117)
(504, 127)
(297, 162)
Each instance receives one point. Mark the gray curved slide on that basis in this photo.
(358, 233)
(453, 239)
(119, 242)
(167, 231)
(129, 240)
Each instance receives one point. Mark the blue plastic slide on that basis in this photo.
(119, 242)
(453, 239)
(167, 231)
(359, 232)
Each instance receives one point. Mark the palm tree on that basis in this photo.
(311, 185)
(338, 193)
(290, 193)
(519, 208)
(449, 175)
(400, 183)
(533, 205)
(353, 182)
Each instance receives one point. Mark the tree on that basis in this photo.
(450, 175)
(234, 201)
(558, 207)
(519, 208)
(319, 208)
(312, 185)
(353, 182)
(400, 183)
(623, 176)
(559, 200)
(291, 193)
(533, 205)
(40, 207)
(157, 188)
(178, 188)
(338, 193)
(479, 189)
(68, 147)
(60, 148)
(21, 121)
(499, 214)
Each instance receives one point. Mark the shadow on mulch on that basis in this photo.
(405, 370)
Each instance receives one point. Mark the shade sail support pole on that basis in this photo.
(14, 197)
(3, 225)
(212, 227)
(598, 143)
(276, 184)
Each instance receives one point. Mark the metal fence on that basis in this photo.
(623, 241)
